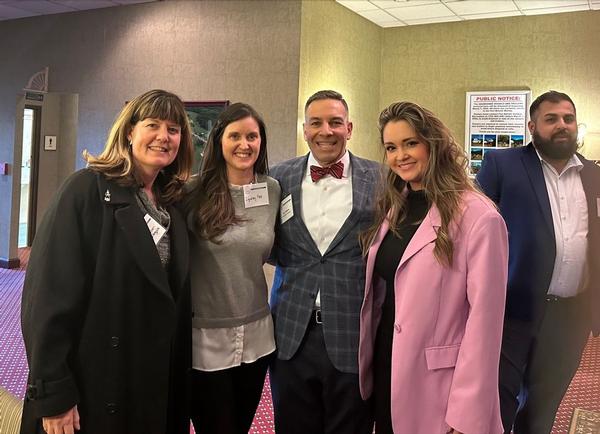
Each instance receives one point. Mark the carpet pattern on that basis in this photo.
(583, 393)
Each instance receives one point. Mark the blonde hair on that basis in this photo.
(116, 160)
(444, 180)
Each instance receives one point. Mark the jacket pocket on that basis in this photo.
(442, 357)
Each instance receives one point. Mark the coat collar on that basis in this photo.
(131, 222)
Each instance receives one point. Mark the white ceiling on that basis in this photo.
(12, 9)
(397, 13)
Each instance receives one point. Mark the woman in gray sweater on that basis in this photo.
(231, 211)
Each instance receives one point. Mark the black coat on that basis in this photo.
(105, 326)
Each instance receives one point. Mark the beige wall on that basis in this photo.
(340, 50)
(202, 50)
(434, 65)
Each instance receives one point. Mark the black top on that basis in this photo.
(388, 257)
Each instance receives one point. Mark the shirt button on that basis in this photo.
(111, 408)
(397, 328)
(114, 342)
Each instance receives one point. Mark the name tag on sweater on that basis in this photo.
(256, 195)
(598, 206)
(155, 228)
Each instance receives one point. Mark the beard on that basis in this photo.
(554, 148)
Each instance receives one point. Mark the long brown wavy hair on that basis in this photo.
(209, 204)
(116, 160)
(444, 180)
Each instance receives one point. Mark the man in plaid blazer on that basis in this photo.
(327, 199)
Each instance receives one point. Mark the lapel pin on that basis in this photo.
(107, 196)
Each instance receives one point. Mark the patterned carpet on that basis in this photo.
(584, 392)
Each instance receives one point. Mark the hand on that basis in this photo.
(65, 423)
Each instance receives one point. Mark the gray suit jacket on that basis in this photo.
(339, 274)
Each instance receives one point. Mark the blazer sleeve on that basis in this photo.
(473, 404)
(55, 296)
(487, 177)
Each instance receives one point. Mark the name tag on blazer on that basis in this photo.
(598, 206)
(286, 209)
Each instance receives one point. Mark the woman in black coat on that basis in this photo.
(105, 309)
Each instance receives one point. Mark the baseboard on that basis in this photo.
(10, 263)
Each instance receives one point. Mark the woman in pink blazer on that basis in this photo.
(431, 320)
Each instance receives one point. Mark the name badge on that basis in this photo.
(286, 209)
(598, 206)
(155, 228)
(256, 195)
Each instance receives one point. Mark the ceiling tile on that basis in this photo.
(432, 20)
(85, 4)
(358, 5)
(376, 15)
(540, 4)
(421, 12)
(491, 15)
(392, 24)
(9, 11)
(557, 10)
(481, 6)
(38, 7)
(390, 4)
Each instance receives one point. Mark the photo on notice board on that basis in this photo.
(475, 166)
(489, 140)
(476, 139)
(202, 115)
(477, 154)
(503, 140)
(516, 140)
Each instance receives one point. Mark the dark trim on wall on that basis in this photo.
(10, 263)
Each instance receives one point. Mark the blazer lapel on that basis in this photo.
(425, 234)
(131, 222)
(533, 168)
(360, 180)
(296, 178)
(372, 254)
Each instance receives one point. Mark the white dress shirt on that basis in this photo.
(326, 204)
(570, 220)
(223, 348)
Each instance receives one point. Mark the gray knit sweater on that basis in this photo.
(228, 283)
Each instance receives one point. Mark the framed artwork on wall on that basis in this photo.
(202, 115)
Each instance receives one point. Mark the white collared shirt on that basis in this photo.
(326, 204)
(570, 219)
(222, 348)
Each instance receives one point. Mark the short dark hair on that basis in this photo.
(552, 96)
(326, 94)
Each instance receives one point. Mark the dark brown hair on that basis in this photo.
(209, 203)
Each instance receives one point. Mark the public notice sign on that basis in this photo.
(495, 120)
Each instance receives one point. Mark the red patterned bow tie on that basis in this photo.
(336, 170)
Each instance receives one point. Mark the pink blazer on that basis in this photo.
(448, 325)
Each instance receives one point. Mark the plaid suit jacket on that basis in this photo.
(301, 270)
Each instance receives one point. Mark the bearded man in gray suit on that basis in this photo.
(327, 200)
